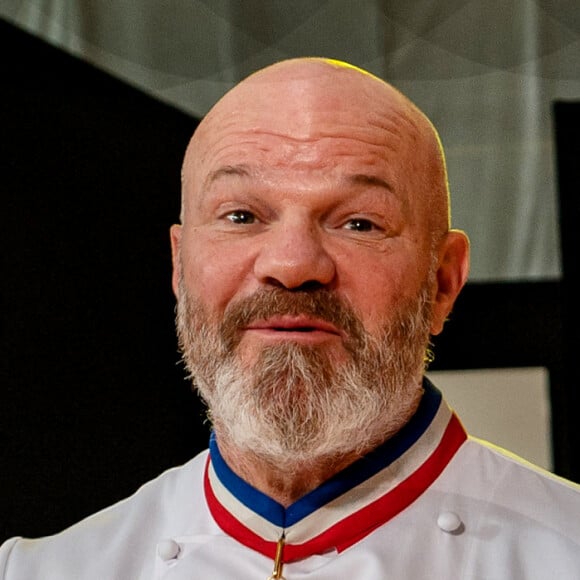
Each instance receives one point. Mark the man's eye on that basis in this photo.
(241, 217)
(360, 225)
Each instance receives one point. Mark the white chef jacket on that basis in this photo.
(430, 503)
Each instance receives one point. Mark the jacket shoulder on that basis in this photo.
(117, 542)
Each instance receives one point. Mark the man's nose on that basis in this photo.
(293, 255)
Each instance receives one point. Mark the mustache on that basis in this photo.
(317, 303)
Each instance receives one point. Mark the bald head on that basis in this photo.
(309, 99)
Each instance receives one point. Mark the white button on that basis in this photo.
(168, 550)
(449, 522)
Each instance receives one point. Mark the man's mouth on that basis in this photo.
(291, 326)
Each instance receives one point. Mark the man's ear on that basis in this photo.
(175, 235)
(451, 276)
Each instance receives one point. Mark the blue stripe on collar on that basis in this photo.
(353, 475)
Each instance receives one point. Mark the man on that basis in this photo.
(313, 262)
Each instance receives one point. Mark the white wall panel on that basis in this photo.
(507, 407)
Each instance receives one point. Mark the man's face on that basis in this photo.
(311, 197)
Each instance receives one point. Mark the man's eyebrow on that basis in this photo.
(225, 171)
(373, 180)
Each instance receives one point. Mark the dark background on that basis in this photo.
(94, 399)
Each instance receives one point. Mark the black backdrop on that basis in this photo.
(94, 401)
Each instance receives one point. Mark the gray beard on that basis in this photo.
(296, 404)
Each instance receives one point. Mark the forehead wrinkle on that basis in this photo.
(309, 125)
(285, 149)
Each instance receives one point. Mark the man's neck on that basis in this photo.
(284, 483)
